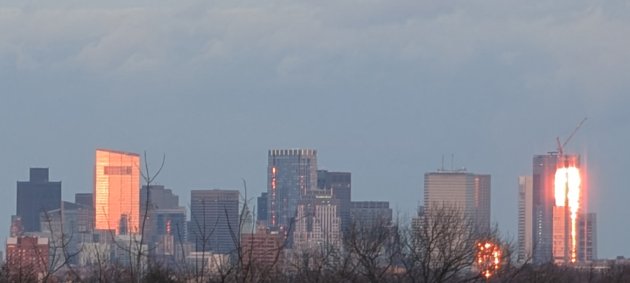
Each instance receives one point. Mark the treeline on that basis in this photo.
(441, 246)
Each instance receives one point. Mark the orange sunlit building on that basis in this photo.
(117, 191)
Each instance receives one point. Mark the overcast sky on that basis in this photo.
(380, 88)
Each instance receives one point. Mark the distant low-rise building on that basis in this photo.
(27, 257)
(263, 248)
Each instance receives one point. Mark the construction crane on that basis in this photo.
(562, 145)
(564, 164)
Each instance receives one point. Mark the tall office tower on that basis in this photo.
(460, 190)
(566, 210)
(36, 196)
(370, 213)
(525, 214)
(214, 220)
(261, 210)
(318, 223)
(86, 199)
(291, 173)
(557, 196)
(340, 185)
(587, 233)
(117, 191)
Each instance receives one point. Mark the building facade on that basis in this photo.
(291, 173)
(214, 220)
(460, 190)
(36, 196)
(85, 199)
(261, 209)
(370, 213)
(117, 191)
(587, 235)
(160, 197)
(525, 215)
(263, 249)
(339, 184)
(318, 223)
(27, 257)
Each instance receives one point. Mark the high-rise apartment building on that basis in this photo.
(36, 196)
(559, 232)
(525, 215)
(566, 209)
(460, 190)
(291, 173)
(117, 191)
(214, 220)
(340, 186)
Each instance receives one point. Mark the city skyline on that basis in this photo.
(381, 89)
(478, 179)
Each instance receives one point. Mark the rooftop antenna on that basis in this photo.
(452, 162)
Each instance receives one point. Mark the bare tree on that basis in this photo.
(442, 246)
(374, 248)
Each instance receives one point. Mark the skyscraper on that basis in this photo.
(543, 178)
(460, 190)
(340, 186)
(36, 196)
(214, 220)
(318, 224)
(557, 208)
(525, 214)
(117, 191)
(291, 173)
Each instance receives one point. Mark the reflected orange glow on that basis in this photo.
(567, 188)
(116, 191)
(488, 258)
(273, 195)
